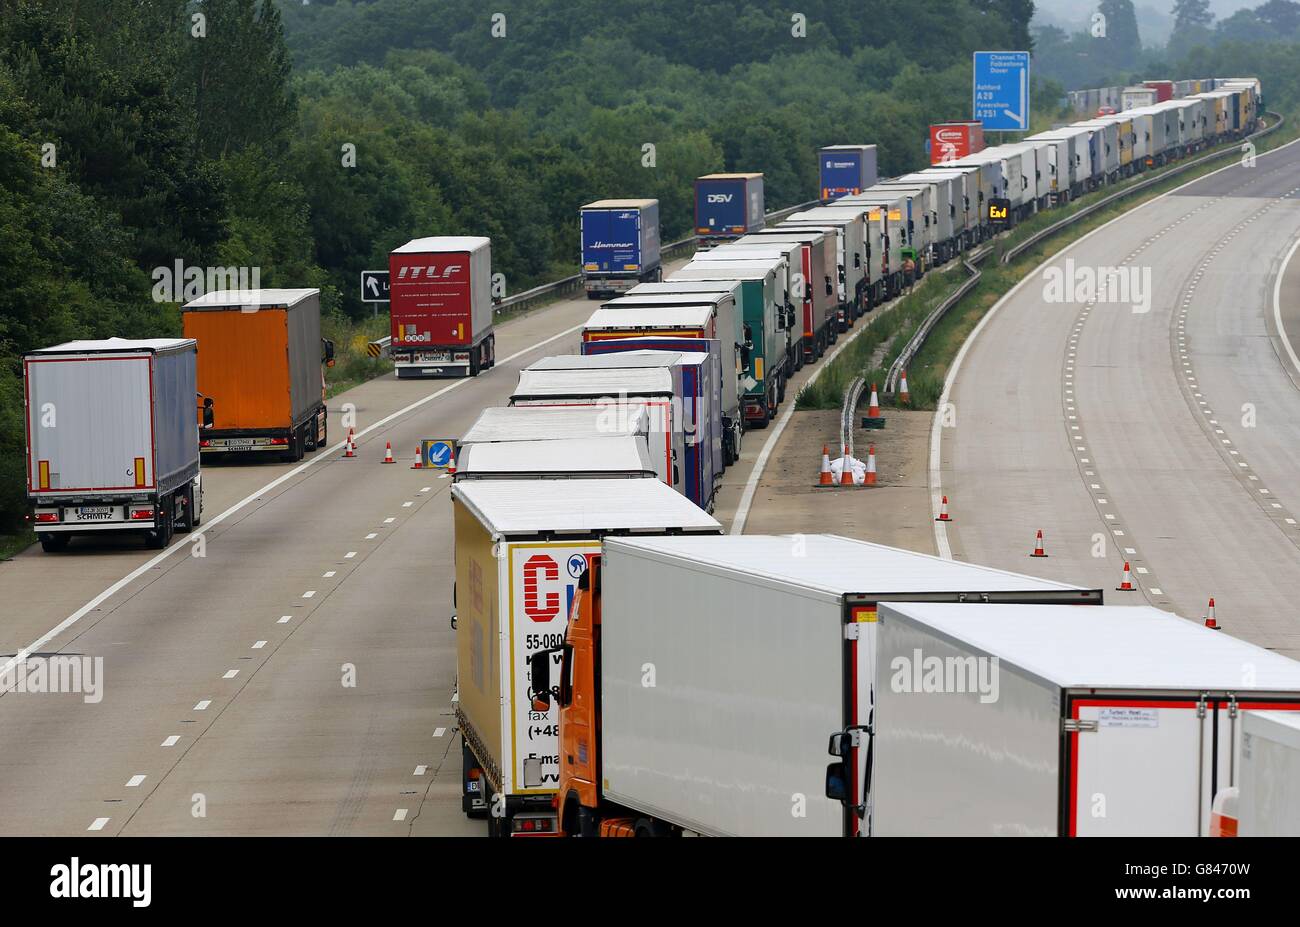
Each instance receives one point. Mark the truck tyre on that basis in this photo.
(649, 827)
(313, 429)
(492, 351)
(475, 360)
(53, 543)
(780, 390)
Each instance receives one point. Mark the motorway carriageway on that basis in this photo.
(223, 673)
(1169, 438)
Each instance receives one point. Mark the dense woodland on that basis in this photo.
(308, 139)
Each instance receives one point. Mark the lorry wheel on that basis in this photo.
(780, 390)
(649, 827)
(492, 351)
(475, 360)
(313, 429)
(53, 543)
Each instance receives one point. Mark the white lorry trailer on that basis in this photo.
(1269, 780)
(761, 648)
(113, 439)
(1033, 719)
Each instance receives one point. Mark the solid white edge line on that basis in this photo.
(327, 454)
(936, 430)
(751, 485)
(1277, 306)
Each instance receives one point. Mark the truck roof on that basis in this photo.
(719, 287)
(839, 566)
(263, 299)
(727, 270)
(670, 316)
(529, 423)
(783, 232)
(530, 507)
(120, 346)
(619, 360)
(1110, 647)
(745, 176)
(443, 243)
(593, 383)
(621, 204)
(845, 147)
(575, 458)
(643, 300)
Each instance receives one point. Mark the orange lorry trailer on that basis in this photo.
(260, 355)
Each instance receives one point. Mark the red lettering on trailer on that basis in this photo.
(537, 569)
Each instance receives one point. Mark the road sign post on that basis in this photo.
(1000, 94)
(374, 287)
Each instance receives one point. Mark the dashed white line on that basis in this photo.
(258, 645)
(170, 741)
(371, 536)
(134, 781)
(328, 574)
(309, 593)
(284, 619)
(399, 814)
(203, 705)
(419, 770)
(230, 674)
(439, 731)
(389, 520)
(349, 555)
(98, 824)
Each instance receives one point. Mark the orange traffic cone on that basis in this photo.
(350, 447)
(825, 478)
(943, 511)
(846, 471)
(870, 479)
(1127, 584)
(1210, 621)
(451, 462)
(903, 396)
(388, 453)
(1038, 545)
(419, 458)
(873, 418)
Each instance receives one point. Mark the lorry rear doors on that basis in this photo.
(1149, 765)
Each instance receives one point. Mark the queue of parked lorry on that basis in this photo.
(625, 669)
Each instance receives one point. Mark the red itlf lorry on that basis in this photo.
(699, 679)
(113, 439)
(440, 300)
(260, 356)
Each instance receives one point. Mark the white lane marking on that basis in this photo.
(285, 619)
(389, 520)
(936, 427)
(349, 555)
(327, 574)
(230, 674)
(439, 731)
(407, 505)
(203, 705)
(455, 697)
(1277, 307)
(170, 741)
(371, 536)
(134, 781)
(425, 488)
(309, 593)
(98, 824)
(399, 814)
(751, 485)
(1155, 591)
(419, 770)
(258, 645)
(328, 454)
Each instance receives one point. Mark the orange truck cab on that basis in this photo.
(260, 356)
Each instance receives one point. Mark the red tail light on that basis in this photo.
(280, 441)
(141, 514)
(47, 517)
(205, 443)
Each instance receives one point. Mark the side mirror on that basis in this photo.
(539, 668)
(329, 352)
(857, 260)
(208, 415)
(837, 788)
(830, 287)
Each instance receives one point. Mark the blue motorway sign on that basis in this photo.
(1001, 90)
(438, 452)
